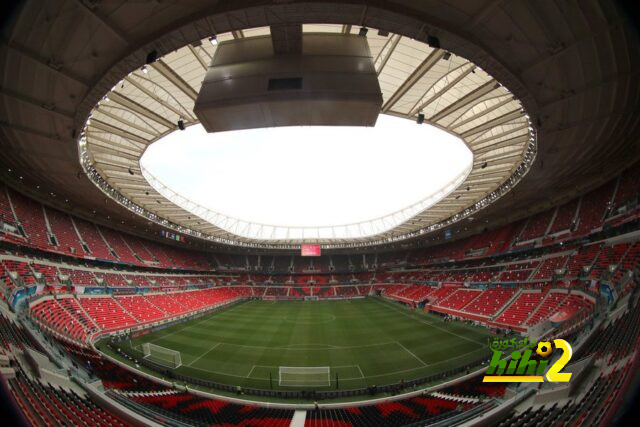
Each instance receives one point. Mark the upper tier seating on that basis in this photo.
(583, 258)
(116, 242)
(161, 254)
(64, 232)
(549, 266)
(340, 262)
(111, 279)
(139, 249)
(537, 225)
(67, 238)
(137, 280)
(49, 273)
(79, 277)
(31, 216)
(564, 217)
(93, 239)
(23, 270)
(6, 214)
(628, 186)
(593, 207)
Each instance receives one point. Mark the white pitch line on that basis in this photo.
(431, 324)
(289, 348)
(311, 345)
(203, 354)
(344, 379)
(412, 354)
(359, 369)
(224, 373)
(252, 368)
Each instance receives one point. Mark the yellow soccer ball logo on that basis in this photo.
(544, 349)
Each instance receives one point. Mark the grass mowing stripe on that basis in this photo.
(364, 341)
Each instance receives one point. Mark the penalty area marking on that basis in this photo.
(260, 366)
(203, 354)
(361, 377)
(296, 347)
(350, 366)
(226, 374)
(412, 354)
(430, 324)
(310, 345)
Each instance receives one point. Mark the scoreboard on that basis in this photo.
(310, 250)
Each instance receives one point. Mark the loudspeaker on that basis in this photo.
(152, 56)
(433, 41)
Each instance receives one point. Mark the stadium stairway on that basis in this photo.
(507, 304)
(455, 398)
(119, 302)
(298, 419)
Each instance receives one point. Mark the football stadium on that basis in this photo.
(329, 213)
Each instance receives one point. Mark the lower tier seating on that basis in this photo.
(397, 413)
(48, 405)
(490, 301)
(195, 410)
(79, 318)
(521, 308)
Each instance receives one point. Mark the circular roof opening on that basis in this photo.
(416, 80)
(308, 182)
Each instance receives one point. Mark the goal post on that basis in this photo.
(162, 355)
(304, 376)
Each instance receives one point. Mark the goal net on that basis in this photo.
(311, 298)
(162, 355)
(304, 376)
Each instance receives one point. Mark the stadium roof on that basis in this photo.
(573, 65)
(308, 182)
(452, 93)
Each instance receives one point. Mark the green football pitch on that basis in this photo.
(364, 342)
